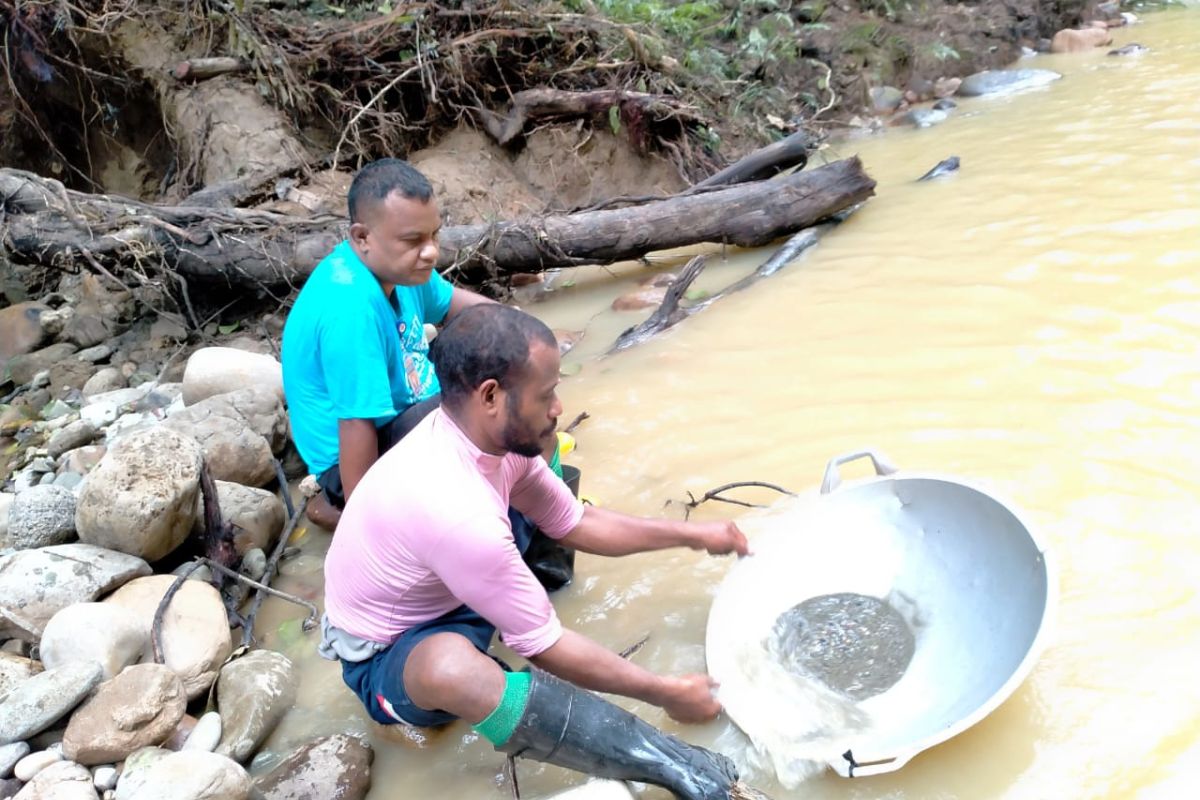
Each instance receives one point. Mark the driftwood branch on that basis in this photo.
(670, 312)
(272, 565)
(201, 69)
(156, 648)
(310, 621)
(791, 151)
(534, 104)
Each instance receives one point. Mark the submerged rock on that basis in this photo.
(331, 768)
(105, 633)
(37, 584)
(142, 498)
(195, 632)
(1132, 49)
(1005, 80)
(138, 708)
(253, 694)
(39, 702)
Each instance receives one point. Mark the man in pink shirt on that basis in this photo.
(425, 568)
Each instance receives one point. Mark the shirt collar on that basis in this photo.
(486, 462)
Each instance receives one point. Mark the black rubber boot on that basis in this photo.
(574, 728)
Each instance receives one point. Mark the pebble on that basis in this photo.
(10, 754)
(254, 564)
(95, 354)
(68, 480)
(40, 379)
(56, 408)
(206, 734)
(34, 763)
(105, 778)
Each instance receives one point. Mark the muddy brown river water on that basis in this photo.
(1031, 323)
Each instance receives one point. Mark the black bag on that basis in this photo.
(551, 562)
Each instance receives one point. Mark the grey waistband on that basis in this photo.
(336, 643)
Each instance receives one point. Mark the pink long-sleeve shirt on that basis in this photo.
(427, 530)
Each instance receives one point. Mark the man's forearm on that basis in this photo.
(581, 661)
(604, 532)
(358, 449)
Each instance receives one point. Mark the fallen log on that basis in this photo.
(790, 151)
(44, 223)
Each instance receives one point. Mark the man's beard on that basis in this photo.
(521, 442)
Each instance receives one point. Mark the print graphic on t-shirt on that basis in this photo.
(418, 371)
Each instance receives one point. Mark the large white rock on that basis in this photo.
(216, 370)
(195, 632)
(138, 708)
(253, 694)
(37, 584)
(188, 775)
(141, 498)
(64, 780)
(108, 634)
(6, 501)
(39, 702)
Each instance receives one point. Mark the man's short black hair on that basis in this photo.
(482, 342)
(377, 180)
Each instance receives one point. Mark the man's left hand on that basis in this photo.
(718, 538)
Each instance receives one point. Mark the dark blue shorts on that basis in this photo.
(379, 681)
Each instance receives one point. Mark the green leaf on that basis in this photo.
(614, 119)
(228, 329)
(384, 8)
(696, 294)
(567, 370)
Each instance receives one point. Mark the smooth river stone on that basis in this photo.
(206, 734)
(10, 754)
(44, 699)
(253, 694)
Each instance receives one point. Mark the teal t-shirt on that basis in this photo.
(351, 352)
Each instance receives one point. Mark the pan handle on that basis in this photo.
(833, 478)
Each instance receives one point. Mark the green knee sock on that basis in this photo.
(499, 725)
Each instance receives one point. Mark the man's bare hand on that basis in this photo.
(718, 538)
(689, 698)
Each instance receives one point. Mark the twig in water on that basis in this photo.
(573, 424)
(161, 611)
(309, 623)
(272, 565)
(715, 494)
(510, 767)
(632, 650)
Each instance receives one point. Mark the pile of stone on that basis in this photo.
(85, 710)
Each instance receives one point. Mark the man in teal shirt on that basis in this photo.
(356, 371)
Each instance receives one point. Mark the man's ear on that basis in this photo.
(490, 396)
(358, 233)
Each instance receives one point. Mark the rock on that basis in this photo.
(181, 733)
(105, 778)
(138, 708)
(41, 516)
(107, 379)
(1129, 17)
(218, 370)
(1080, 41)
(24, 367)
(946, 87)
(206, 735)
(95, 354)
(71, 373)
(253, 694)
(567, 340)
(32, 764)
(202, 574)
(231, 449)
(261, 410)
(135, 768)
(195, 631)
(925, 117)
(82, 460)
(20, 330)
(38, 702)
(76, 434)
(188, 775)
(37, 584)
(88, 329)
(63, 780)
(945, 104)
(10, 754)
(332, 768)
(650, 297)
(886, 99)
(1132, 49)
(6, 501)
(68, 480)
(259, 514)
(15, 669)
(110, 635)
(1005, 80)
(41, 379)
(254, 564)
(141, 499)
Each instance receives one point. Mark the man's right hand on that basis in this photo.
(690, 698)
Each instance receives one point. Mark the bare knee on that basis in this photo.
(445, 672)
